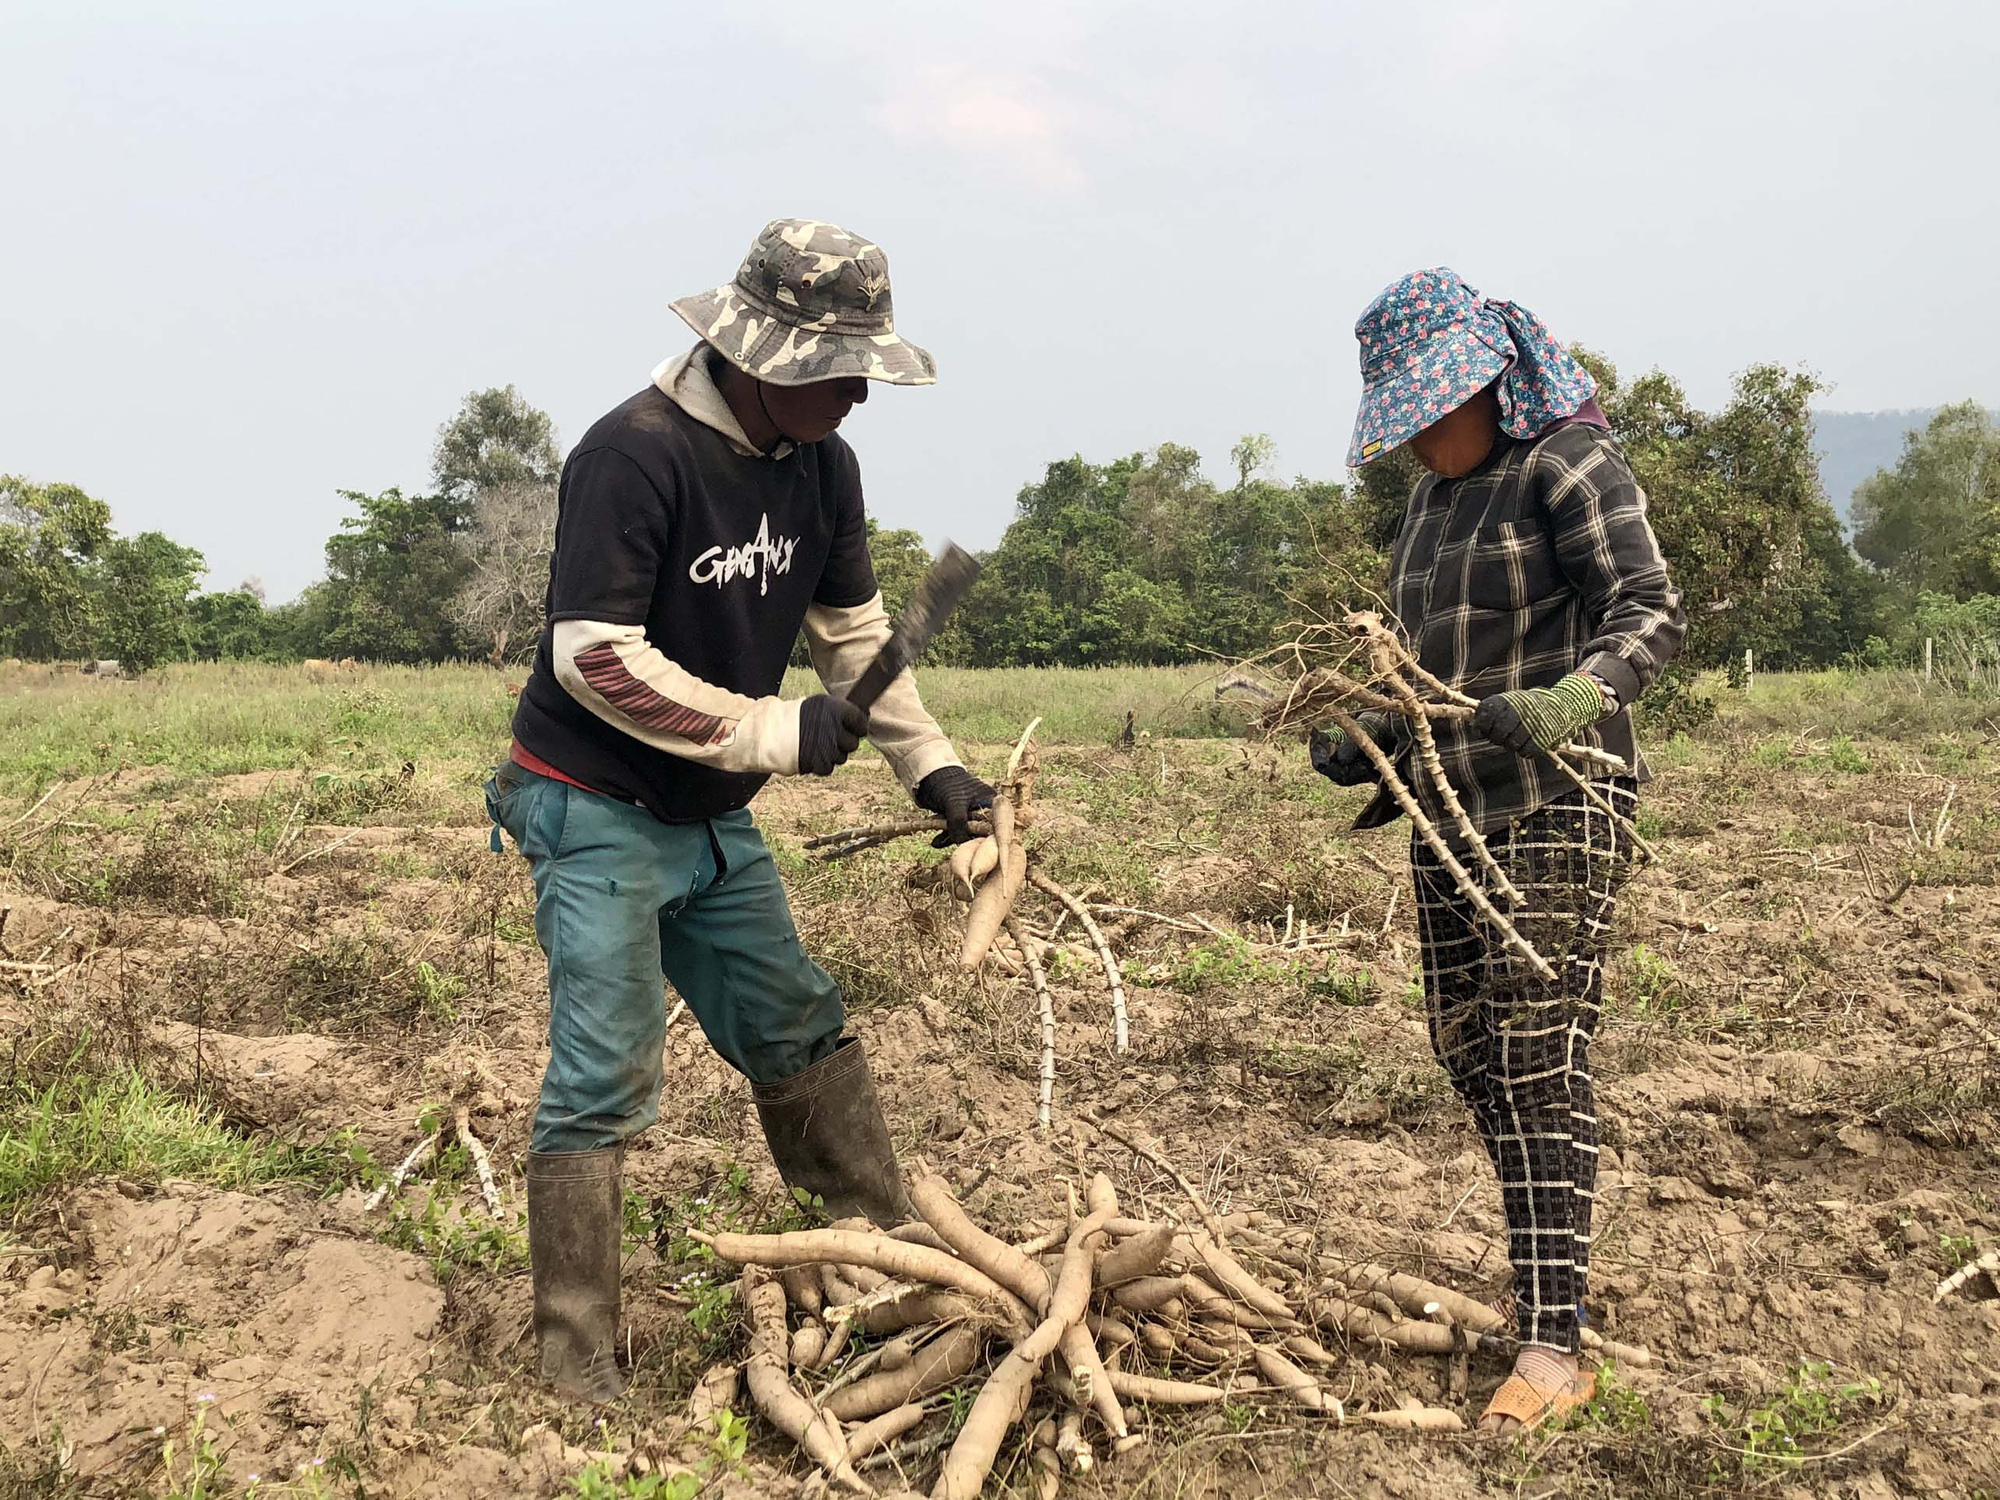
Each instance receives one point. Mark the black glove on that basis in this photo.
(1343, 762)
(830, 730)
(954, 794)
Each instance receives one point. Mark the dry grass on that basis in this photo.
(1776, 1036)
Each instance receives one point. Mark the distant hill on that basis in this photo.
(1854, 444)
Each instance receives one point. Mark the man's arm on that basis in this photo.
(1606, 548)
(847, 624)
(842, 642)
(628, 682)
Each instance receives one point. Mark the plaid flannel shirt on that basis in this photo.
(1537, 564)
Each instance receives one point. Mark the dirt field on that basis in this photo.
(233, 1002)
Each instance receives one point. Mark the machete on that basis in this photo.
(942, 587)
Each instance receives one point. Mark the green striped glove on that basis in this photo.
(1540, 718)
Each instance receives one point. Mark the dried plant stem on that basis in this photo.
(316, 853)
(1389, 670)
(1428, 831)
(1987, 1265)
(1214, 1225)
(462, 1123)
(417, 1157)
(1112, 977)
(1046, 1002)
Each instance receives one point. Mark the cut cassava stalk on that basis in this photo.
(1433, 768)
(1112, 978)
(1393, 661)
(461, 1121)
(1393, 783)
(850, 1247)
(1071, 1446)
(816, 1432)
(1046, 1009)
(417, 1157)
(1986, 1265)
(1214, 1225)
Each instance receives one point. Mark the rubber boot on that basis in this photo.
(828, 1137)
(576, 1209)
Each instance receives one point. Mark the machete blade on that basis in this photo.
(929, 607)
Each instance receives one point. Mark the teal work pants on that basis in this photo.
(621, 899)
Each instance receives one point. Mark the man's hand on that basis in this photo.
(830, 730)
(954, 794)
(1342, 760)
(1540, 718)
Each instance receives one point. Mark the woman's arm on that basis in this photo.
(1606, 548)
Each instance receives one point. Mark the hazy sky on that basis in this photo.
(255, 252)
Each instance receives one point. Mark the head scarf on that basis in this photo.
(1430, 343)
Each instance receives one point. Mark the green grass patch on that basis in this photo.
(82, 1124)
(1784, 1429)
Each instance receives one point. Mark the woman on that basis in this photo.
(1524, 574)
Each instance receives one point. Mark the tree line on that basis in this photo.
(1140, 560)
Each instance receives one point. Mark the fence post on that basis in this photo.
(1749, 669)
(1929, 641)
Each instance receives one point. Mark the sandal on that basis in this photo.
(1532, 1405)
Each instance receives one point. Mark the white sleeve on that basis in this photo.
(620, 676)
(842, 643)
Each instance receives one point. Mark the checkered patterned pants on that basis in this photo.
(1517, 1047)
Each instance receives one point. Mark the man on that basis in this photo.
(700, 525)
(1526, 575)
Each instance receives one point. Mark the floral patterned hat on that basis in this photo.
(1430, 343)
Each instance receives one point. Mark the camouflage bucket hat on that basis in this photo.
(810, 302)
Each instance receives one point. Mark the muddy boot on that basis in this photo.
(576, 1209)
(828, 1137)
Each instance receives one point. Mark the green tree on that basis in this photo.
(235, 626)
(901, 559)
(391, 576)
(1068, 583)
(1147, 560)
(49, 534)
(496, 439)
(1933, 522)
(142, 585)
(1382, 492)
(1736, 500)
